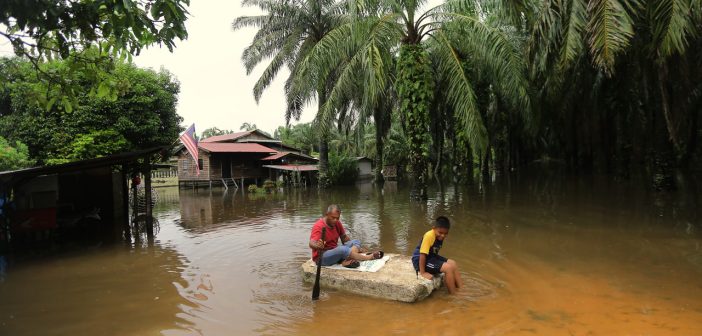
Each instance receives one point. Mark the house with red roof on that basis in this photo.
(244, 158)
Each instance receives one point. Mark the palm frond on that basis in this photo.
(262, 47)
(610, 30)
(357, 51)
(498, 50)
(574, 26)
(671, 26)
(274, 66)
(460, 93)
(250, 21)
(543, 37)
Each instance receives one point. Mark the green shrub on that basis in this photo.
(342, 169)
(253, 188)
(269, 186)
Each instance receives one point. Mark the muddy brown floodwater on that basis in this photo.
(539, 256)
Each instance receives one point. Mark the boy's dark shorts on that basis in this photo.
(433, 265)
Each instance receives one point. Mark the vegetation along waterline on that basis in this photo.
(539, 254)
(551, 132)
(507, 84)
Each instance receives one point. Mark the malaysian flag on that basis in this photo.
(188, 140)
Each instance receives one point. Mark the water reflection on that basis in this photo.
(538, 254)
(108, 291)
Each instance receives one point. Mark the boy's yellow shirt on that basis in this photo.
(427, 242)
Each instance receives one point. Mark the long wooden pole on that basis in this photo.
(315, 290)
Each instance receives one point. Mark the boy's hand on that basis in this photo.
(427, 275)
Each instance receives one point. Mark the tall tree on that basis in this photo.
(619, 79)
(143, 115)
(286, 33)
(383, 27)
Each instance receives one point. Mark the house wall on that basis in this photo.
(248, 166)
(187, 168)
(243, 165)
(216, 166)
(365, 168)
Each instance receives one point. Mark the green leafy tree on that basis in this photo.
(12, 158)
(91, 36)
(144, 114)
(342, 169)
(396, 146)
(300, 136)
(92, 145)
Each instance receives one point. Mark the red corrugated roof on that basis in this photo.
(294, 167)
(275, 156)
(235, 147)
(283, 154)
(226, 137)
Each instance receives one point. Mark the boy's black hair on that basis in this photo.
(442, 222)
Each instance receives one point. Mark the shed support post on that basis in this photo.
(147, 199)
(126, 231)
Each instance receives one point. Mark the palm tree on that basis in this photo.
(212, 131)
(248, 126)
(622, 61)
(385, 28)
(286, 34)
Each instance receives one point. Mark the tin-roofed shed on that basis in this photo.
(45, 201)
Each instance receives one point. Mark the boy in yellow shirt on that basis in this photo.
(428, 262)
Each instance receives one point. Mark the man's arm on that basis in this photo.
(316, 242)
(345, 238)
(342, 233)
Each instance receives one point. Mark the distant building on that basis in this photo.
(244, 158)
(365, 168)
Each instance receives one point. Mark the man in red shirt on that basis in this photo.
(349, 253)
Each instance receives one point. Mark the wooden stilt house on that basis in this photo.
(241, 159)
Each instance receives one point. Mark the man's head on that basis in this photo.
(441, 227)
(332, 215)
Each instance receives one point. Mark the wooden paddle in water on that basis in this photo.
(315, 290)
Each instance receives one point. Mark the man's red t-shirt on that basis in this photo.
(331, 236)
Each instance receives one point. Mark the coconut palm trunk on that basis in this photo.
(414, 88)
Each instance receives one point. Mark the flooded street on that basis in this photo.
(538, 257)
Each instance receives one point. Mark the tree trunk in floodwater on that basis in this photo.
(414, 94)
(662, 156)
(323, 181)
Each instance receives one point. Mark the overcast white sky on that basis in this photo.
(214, 87)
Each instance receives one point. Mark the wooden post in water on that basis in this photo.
(126, 232)
(135, 205)
(147, 198)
